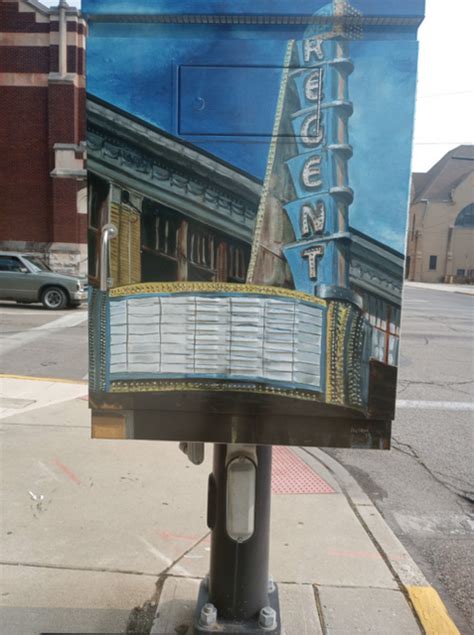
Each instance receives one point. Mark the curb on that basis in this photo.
(424, 600)
(440, 286)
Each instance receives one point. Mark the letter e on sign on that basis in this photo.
(312, 172)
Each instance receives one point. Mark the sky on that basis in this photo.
(445, 95)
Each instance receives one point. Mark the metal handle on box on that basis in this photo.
(109, 231)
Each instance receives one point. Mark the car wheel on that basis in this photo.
(54, 298)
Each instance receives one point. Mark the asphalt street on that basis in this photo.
(41, 343)
(424, 486)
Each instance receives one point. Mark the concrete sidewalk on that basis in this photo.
(110, 537)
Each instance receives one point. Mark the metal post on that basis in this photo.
(238, 596)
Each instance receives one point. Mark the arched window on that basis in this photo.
(465, 217)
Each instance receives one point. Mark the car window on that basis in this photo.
(37, 264)
(10, 263)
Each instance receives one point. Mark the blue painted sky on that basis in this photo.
(382, 89)
(141, 75)
(248, 7)
(161, 74)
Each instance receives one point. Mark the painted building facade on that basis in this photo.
(440, 241)
(245, 284)
(42, 136)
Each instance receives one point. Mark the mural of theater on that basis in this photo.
(242, 302)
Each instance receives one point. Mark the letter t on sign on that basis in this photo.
(311, 254)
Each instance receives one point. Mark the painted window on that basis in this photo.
(176, 247)
(385, 320)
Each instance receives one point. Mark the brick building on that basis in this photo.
(43, 205)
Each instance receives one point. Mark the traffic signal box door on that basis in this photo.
(253, 159)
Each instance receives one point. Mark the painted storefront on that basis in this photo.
(256, 168)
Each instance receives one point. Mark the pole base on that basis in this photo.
(236, 627)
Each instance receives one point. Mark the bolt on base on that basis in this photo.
(207, 619)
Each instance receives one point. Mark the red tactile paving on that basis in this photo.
(291, 475)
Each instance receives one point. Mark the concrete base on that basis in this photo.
(232, 627)
(177, 605)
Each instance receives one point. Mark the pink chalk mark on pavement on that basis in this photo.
(69, 473)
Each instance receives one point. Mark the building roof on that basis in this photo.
(45, 10)
(144, 158)
(438, 183)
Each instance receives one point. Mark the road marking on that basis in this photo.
(58, 380)
(20, 339)
(460, 406)
(6, 402)
(408, 302)
(406, 404)
(13, 310)
(431, 611)
(66, 321)
(43, 393)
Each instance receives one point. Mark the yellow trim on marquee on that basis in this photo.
(212, 287)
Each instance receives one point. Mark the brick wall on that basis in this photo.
(39, 109)
(24, 165)
(13, 21)
(24, 59)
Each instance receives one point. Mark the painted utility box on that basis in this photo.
(249, 167)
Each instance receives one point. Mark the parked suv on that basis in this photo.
(25, 278)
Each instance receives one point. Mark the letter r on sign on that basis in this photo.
(313, 47)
